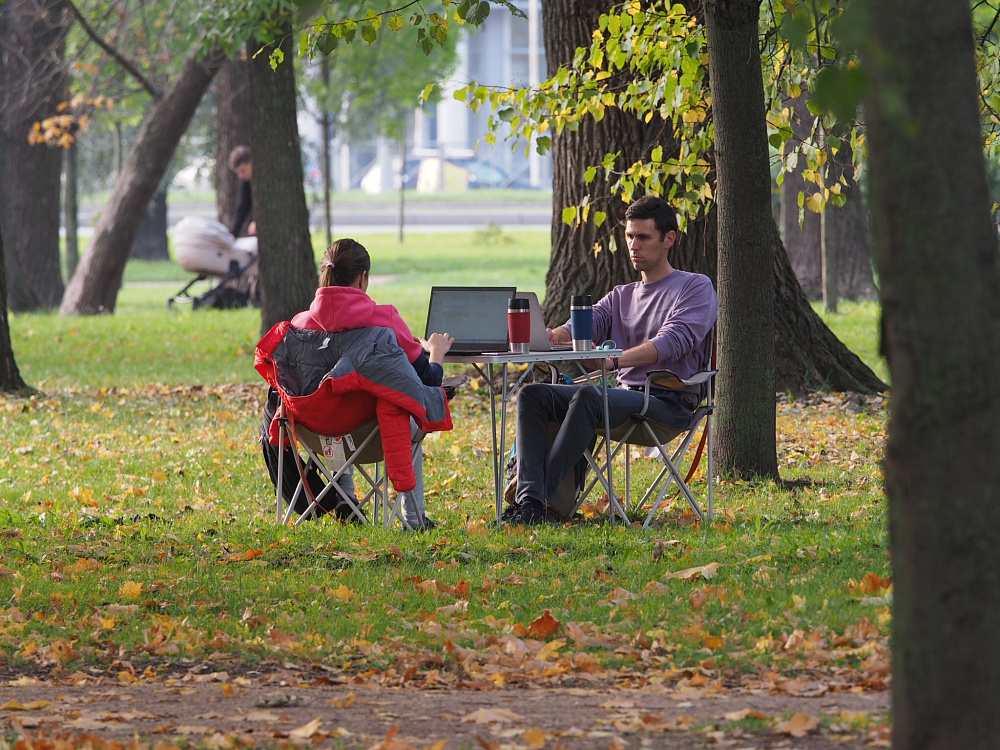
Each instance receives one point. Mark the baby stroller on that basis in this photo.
(204, 247)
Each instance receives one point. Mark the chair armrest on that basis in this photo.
(451, 383)
(668, 379)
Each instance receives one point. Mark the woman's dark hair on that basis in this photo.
(657, 209)
(343, 262)
(240, 155)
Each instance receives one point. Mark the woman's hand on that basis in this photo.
(437, 345)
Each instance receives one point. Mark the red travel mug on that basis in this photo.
(519, 325)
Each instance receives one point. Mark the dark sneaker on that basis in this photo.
(510, 512)
(424, 524)
(530, 513)
(346, 514)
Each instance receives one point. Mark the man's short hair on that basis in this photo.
(240, 155)
(657, 209)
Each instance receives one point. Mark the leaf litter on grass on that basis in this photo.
(148, 546)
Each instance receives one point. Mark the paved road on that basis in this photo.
(381, 215)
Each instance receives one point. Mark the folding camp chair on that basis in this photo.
(644, 431)
(347, 399)
(329, 457)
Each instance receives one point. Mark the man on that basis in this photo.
(660, 322)
(241, 162)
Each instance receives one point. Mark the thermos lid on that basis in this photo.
(517, 304)
(581, 300)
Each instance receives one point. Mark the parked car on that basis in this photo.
(480, 175)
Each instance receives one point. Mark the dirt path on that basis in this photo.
(276, 708)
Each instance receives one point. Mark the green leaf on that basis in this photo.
(775, 140)
(506, 114)
(590, 174)
(599, 217)
(839, 90)
(478, 13)
(395, 22)
(569, 214)
(543, 144)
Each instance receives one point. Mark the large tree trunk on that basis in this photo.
(939, 270)
(31, 38)
(10, 376)
(94, 287)
(807, 354)
(746, 418)
(232, 129)
(288, 275)
(71, 210)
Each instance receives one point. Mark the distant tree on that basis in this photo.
(32, 33)
(94, 287)
(939, 271)
(10, 376)
(288, 274)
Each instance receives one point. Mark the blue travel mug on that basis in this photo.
(581, 317)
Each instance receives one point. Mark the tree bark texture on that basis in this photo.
(232, 128)
(746, 417)
(807, 353)
(10, 376)
(288, 275)
(94, 287)
(939, 271)
(31, 39)
(151, 239)
(71, 212)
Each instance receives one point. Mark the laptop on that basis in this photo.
(539, 336)
(475, 315)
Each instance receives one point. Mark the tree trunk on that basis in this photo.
(807, 354)
(31, 38)
(746, 420)
(94, 287)
(71, 212)
(855, 275)
(939, 270)
(151, 239)
(232, 128)
(10, 376)
(288, 275)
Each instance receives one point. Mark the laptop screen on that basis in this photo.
(475, 315)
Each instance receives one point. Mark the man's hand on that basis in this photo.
(437, 345)
(560, 335)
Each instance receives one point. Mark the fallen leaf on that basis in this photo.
(306, 730)
(705, 571)
(491, 716)
(535, 737)
(544, 626)
(799, 725)
(16, 705)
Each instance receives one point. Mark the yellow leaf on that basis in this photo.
(535, 737)
(130, 590)
(343, 593)
(306, 730)
(345, 702)
(15, 705)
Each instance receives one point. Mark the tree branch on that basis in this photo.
(146, 84)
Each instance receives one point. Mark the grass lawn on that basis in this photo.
(136, 526)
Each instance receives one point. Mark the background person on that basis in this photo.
(660, 322)
(241, 162)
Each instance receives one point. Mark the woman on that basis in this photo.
(342, 303)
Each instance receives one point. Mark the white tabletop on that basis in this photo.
(515, 358)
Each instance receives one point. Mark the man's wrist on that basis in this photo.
(612, 363)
